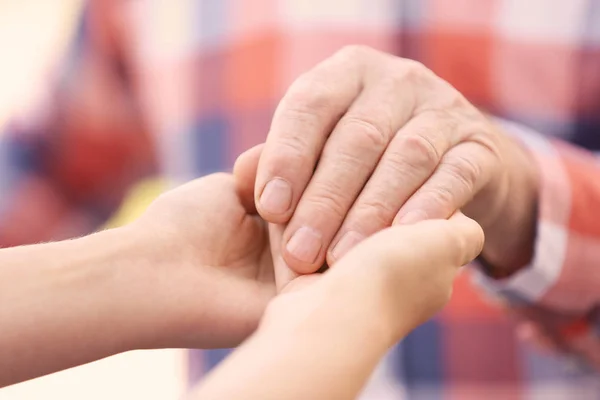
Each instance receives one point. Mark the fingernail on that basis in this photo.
(411, 217)
(276, 198)
(305, 245)
(347, 242)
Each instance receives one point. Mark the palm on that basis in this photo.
(221, 243)
(236, 241)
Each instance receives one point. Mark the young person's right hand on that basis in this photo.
(397, 279)
(323, 335)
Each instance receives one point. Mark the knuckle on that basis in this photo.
(327, 201)
(399, 169)
(292, 146)
(346, 159)
(414, 71)
(289, 151)
(354, 50)
(419, 151)
(455, 99)
(464, 171)
(377, 211)
(444, 116)
(441, 198)
(366, 132)
(448, 98)
(308, 94)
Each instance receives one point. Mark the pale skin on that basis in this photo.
(322, 339)
(196, 270)
(395, 144)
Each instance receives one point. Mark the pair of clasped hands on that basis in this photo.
(368, 163)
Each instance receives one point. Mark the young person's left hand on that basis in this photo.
(195, 270)
(213, 273)
(324, 334)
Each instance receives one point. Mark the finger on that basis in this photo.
(348, 160)
(301, 282)
(456, 241)
(463, 171)
(283, 274)
(244, 171)
(405, 273)
(302, 123)
(453, 242)
(410, 159)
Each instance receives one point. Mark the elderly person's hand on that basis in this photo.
(366, 140)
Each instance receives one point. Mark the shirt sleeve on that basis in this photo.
(66, 163)
(560, 290)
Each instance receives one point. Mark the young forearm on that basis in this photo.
(314, 358)
(61, 305)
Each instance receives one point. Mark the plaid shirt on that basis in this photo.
(184, 86)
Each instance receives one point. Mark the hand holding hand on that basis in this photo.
(382, 289)
(395, 280)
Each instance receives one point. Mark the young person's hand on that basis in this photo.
(324, 334)
(210, 271)
(399, 278)
(195, 270)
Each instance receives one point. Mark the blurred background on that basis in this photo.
(95, 99)
(33, 36)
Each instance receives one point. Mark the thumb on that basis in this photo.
(244, 171)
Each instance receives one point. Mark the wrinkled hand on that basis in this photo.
(214, 264)
(365, 140)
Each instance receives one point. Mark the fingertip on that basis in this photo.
(301, 267)
(274, 200)
(470, 235)
(244, 172)
(246, 164)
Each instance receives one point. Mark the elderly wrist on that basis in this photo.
(510, 238)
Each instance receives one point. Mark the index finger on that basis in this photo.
(301, 125)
